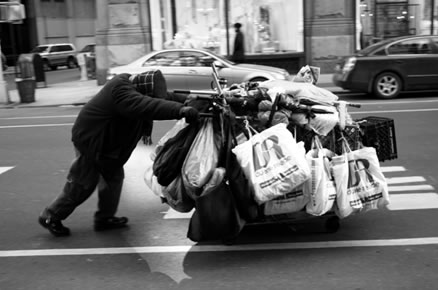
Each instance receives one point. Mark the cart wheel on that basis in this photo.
(332, 224)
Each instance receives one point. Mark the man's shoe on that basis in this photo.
(110, 223)
(55, 227)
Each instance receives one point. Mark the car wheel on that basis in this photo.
(71, 63)
(46, 65)
(387, 85)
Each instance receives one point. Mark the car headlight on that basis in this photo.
(349, 65)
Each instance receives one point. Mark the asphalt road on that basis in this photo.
(395, 248)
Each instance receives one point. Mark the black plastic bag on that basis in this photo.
(170, 157)
(216, 215)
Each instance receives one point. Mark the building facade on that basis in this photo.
(281, 33)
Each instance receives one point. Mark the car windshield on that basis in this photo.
(222, 58)
(39, 49)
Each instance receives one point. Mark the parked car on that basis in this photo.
(88, 50)
(190, 69)
(386, 68)
(54, 55)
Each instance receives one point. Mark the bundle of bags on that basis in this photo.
(286, 179)
(192, 168)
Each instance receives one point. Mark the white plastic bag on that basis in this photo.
(347, 201)
(320, 187)
(291, 202)
(179, 125)
(201, 160)
(300, 91)
(151, 181)
(273, 162)
(367, 179)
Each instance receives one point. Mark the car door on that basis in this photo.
(416, 59)
(170, 65)
(57, 56)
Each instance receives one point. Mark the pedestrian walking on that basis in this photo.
(239, 45)
(104, 135)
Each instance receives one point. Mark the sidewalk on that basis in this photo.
(78, 92)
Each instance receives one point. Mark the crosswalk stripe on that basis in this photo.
(410, 187)
(392, 168)
(413, 201)
(4, 169)
(409, 179)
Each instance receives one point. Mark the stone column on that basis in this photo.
(123, 33)
(329, 31)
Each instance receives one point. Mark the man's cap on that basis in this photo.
(237, 25)
(151, 83)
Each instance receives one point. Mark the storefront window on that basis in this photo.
(381, 19)
(269, 26)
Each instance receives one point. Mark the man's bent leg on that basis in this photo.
(81, 182)
(109, 190)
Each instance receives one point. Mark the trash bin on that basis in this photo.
(25, 78)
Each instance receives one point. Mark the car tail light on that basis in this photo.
(349, 65)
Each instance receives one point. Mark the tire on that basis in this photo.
(46, 65)
(71, 63)
(387, 85)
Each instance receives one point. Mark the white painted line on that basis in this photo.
(39, 117)
(413, 201)
(409, 179)
(173, 214)
(4, 169)
(392, 168)
(410, 187)
(394, 111)
(39, 125)
(223, 248)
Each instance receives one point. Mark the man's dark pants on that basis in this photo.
(86, 173)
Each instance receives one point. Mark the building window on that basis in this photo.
(381, 19)
(269, 26)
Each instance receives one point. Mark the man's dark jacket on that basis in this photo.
(110, 125)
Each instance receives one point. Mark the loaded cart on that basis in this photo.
(271, 152)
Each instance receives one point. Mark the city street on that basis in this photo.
(396, 248)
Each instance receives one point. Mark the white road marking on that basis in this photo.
(392, 168)
(173, 214)
(409, 179)
(39, 117)
(4, 169)
(410, 187)
(38, 125)
(413, 201)
(222, 248)
(394, 111)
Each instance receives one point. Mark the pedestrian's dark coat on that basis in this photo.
(239, 47)
(110, 125)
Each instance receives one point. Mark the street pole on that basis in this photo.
(4, 92)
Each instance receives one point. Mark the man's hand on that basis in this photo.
(190, 114)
